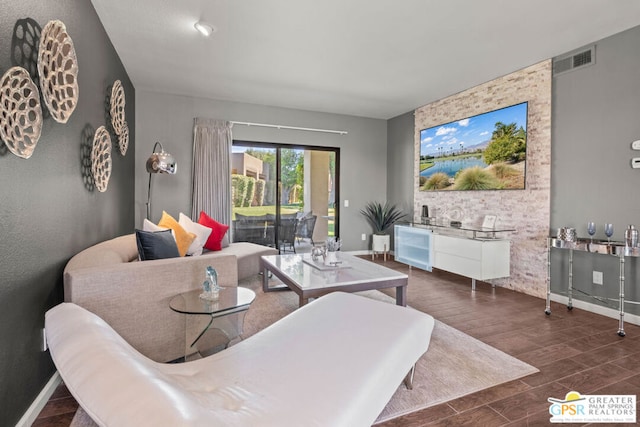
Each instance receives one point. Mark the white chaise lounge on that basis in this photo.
(334, 362)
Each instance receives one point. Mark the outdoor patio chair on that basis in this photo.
(305, 228)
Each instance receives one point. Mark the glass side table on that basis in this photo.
(210, 326)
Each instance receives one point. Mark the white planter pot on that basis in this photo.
(381, 243)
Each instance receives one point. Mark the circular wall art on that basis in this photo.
(101, 159)
(20, 112)
(117, 107)
(123, 139)
(58, 71)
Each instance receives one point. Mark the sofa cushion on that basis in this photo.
(214, 242)
(201, 232)
(156, 245)
(183, 238)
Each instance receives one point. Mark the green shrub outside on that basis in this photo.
(250, 185)
(270, 193)
(239, 192)
(502, 170)
(258, 198)
(437, 181)
(476, 178)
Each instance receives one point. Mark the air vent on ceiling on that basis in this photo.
(577, 59)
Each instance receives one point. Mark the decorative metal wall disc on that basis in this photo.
(123, 139)
(58, 70)
(117, 107)
(20, 112)
(101, 159)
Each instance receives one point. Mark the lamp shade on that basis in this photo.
(161, 162)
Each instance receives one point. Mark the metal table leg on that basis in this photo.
(547, 309)
(570, 288)
(621, 323)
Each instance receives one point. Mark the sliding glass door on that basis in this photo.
(284, 196)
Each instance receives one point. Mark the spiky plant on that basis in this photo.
(476, 178)
(437, 181)
(502, 170)
(381, 216)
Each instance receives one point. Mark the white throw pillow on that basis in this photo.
(149, 226)
(202, 234)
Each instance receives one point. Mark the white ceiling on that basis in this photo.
(370, 58)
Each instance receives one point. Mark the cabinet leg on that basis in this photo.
(473, 284)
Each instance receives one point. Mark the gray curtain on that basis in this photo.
(212, 142)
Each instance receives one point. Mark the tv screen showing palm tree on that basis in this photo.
(483, 152)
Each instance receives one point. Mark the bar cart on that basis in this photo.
(604, 247)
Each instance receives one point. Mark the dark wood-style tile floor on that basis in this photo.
(574, 350)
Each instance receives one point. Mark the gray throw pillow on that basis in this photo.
(156, 245)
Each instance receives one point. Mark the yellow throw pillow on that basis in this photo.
(183, 238)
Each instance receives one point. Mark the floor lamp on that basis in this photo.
(159, 162)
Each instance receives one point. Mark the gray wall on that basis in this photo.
(400, 160)
(46, 212)
(169, 119)
(595, 119)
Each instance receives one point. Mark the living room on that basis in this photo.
(49, 213)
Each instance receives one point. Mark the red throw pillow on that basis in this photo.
(214, 242)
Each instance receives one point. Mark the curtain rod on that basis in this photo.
(339, 132)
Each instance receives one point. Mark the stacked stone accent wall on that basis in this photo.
(528, 210)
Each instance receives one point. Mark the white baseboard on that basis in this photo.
(34, 410)
(598, 309)
(360, 252)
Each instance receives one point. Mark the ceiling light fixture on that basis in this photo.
(204, 28)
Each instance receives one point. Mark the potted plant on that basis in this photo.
(381, 217)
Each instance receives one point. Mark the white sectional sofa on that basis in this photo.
(133, 296)
(334, 362)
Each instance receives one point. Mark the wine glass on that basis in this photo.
(608, 230)
(591, 229)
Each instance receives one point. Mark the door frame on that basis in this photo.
(277, 147)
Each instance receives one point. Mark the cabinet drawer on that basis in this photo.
(465, 248)
(455, 264)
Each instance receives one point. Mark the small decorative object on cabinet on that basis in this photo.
(631, 236)
(591, 229)
(489, 221)
(608, 230)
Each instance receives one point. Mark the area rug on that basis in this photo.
(455, 365)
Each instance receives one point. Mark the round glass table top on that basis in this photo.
(230, 299)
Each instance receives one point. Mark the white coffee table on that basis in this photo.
(310, 279)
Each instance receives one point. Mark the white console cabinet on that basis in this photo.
(454, 250)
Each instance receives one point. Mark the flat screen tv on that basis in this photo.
(483, 152)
